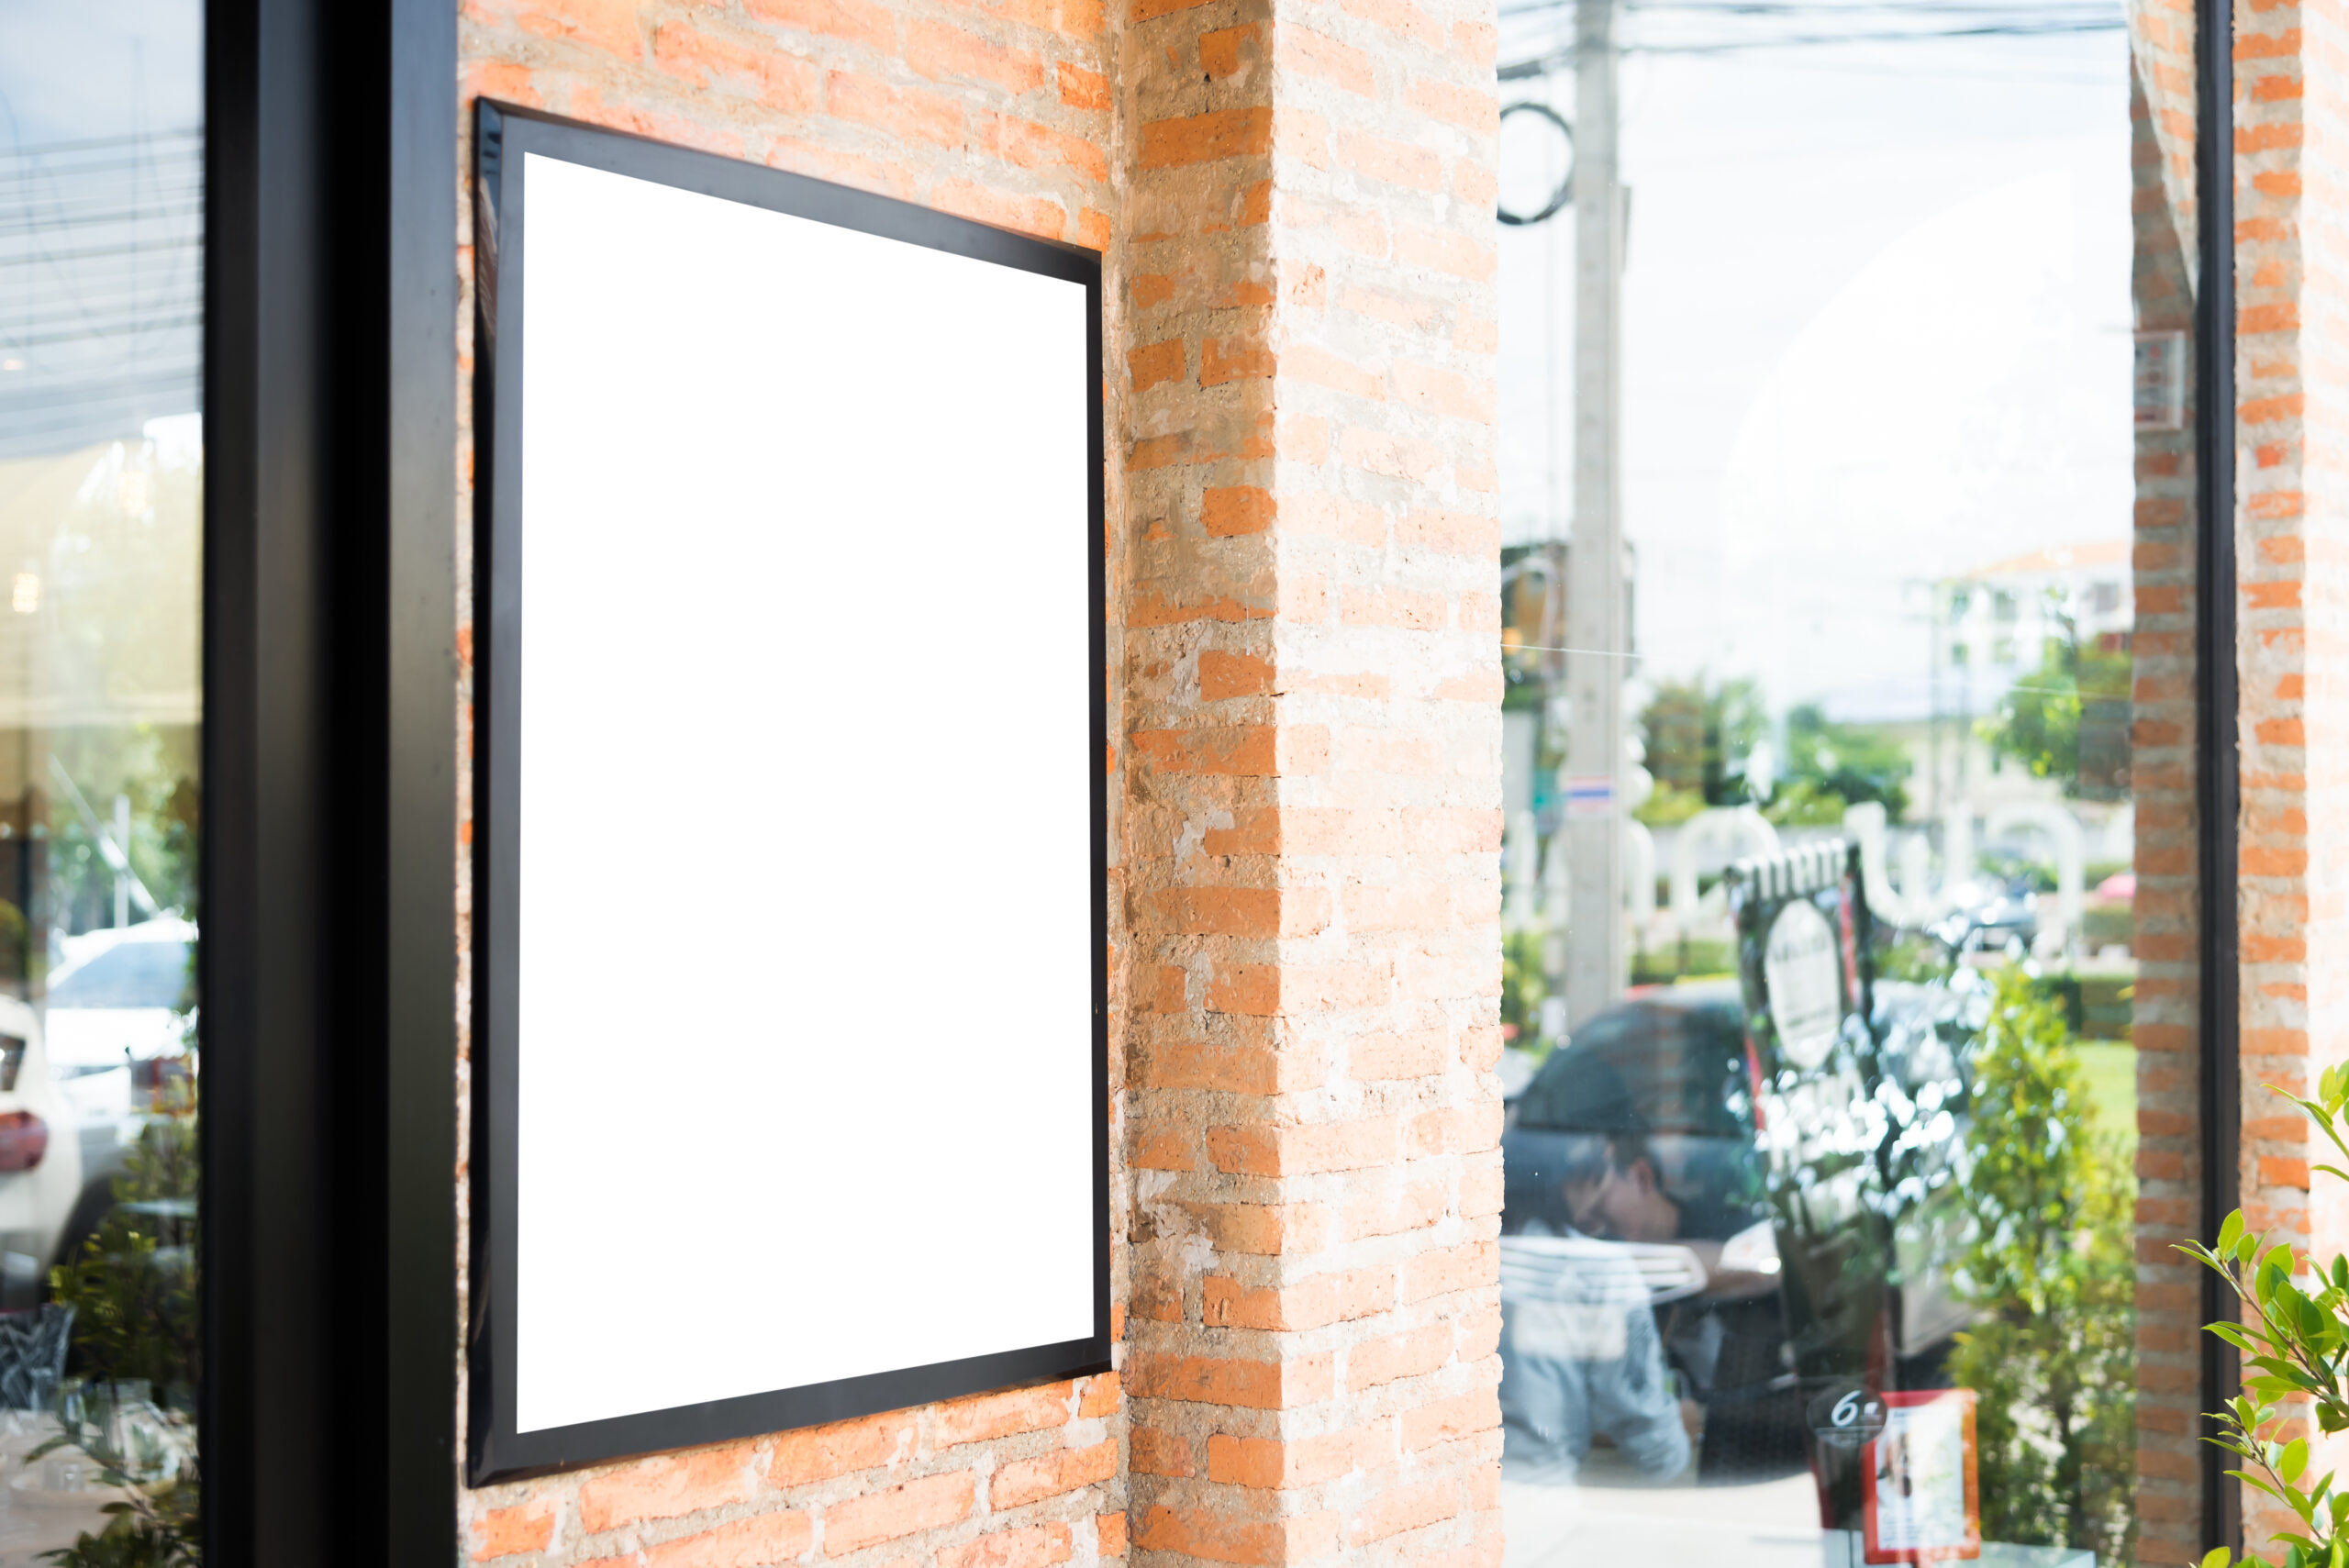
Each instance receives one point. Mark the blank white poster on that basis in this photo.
(806, 855)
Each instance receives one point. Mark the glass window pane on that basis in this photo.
(1844, 442)
(101, 506)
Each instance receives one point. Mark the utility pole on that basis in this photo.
(1597, 962)
(122, 872)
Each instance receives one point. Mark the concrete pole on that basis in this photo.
(122, 876)
(1597, 959)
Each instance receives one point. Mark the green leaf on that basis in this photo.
(2230, 1231)
(2216, 1558)
(2248, 1479)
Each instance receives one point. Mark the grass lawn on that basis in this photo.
(2111, 1067)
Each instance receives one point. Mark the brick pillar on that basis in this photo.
(1311, 778)
(2292, 360)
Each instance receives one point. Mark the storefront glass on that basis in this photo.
(1846, 469)
(101, 481)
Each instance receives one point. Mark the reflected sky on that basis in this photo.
(83, 69)
(1876, 330)
(101, 219)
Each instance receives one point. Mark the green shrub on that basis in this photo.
(136, 1319)
(1522, 988)
(2052, 1272)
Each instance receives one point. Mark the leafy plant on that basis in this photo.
(142, 1534)
(2053, 1270)
(136, 1319)
(1522, 988)
(2294, 1339)
(133, 1289)
(157, 1524)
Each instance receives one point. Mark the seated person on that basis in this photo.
(1621, 1196)
(1581, 1356)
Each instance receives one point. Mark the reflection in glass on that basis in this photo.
(1841, 420)
(101, 501)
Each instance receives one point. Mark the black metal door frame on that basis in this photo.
(328, 955)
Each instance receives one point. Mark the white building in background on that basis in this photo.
(1991, 630)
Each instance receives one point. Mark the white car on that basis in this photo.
(41, 1164)
(112, 1017)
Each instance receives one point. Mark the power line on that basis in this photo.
(1563, 57)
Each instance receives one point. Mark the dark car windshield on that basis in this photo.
(1652, 1067)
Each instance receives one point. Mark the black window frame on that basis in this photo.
(328, 958)
(2218, 746)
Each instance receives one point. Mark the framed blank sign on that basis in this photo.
(791, 974)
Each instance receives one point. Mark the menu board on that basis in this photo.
(1922, 1502)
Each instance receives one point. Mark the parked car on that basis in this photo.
(1636, 1155)
(1997, 918)
(42, 1174)
(115, 1025)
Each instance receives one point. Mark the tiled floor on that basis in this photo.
(1771, 1525)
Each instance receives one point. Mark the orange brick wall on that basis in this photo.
(1010, 1480)
(1296, 207)
(994, 111)
(2291, 260)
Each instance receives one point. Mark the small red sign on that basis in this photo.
(1919, 1496)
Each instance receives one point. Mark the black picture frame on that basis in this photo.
(496, 1449)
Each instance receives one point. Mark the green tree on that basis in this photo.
(153, 765)
(1844, 764)
(2039, 720)
(1698, 735)
(2052, 1272)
